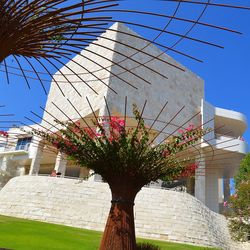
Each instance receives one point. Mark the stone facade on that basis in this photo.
(149, 71)
(112, 63)
(159, 214)
(120, 58)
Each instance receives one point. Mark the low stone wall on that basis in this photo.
(159, 214)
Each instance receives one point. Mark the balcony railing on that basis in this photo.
(17, 148)
(228, 137)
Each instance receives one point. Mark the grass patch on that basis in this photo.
(20, 234)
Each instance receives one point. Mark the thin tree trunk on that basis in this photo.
(190, 185)
(119, 232)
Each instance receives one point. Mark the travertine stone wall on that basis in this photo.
(179, 88)
(106, 68)
(159, 214)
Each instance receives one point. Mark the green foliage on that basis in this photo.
(111, 149)
(244, 171)
(239, 204)
(239, 230)
(147, 246)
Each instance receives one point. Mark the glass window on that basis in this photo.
(23, 143)
(2, 146)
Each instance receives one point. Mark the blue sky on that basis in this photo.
(225, 71)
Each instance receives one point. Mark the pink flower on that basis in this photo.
(225, 203)
(55, 143)
(4, 133)
(190, 127)
(78, 123)
(189, 170)
(98, 134)
(90, 132)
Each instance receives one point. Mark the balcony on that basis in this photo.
(16, 150)
(230, 143)
(230, 121)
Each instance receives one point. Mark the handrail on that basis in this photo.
(17, 148)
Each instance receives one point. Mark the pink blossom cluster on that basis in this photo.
(189, 170)
(189, 134)
(67, 143)
(188, 129)
(91, 133)
(4, 133)
(116, 125)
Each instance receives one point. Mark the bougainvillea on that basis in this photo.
(127, 159)
(4, 133)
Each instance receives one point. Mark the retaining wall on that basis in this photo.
(159, 214)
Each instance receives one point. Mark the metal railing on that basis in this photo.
(16, 148)
(224, 136)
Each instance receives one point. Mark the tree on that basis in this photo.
(127, 160)
(43, 28)
(239, 203)
(37, 37)
(244, 171)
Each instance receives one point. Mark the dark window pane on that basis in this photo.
(23, 143)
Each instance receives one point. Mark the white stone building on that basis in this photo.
(119, 58)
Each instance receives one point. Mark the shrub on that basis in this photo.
(147, 246)
(239, 204)
(244, 171)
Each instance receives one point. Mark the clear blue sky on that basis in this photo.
(225, 71)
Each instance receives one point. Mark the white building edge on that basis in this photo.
(23, 155)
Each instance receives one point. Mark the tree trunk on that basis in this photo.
(119, 232)
(190, 185)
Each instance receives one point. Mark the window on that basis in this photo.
(2, 146)
(23, 143)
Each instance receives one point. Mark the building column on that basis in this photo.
(4, 164)
(220, 195)
(190, 185)
(200, 180)
(226, 189)
(61, 164)
(36, 160)
(5, 170)
(212, 190)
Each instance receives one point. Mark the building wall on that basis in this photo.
(94, 71)
(159, 214)
(178, 87)
(208, 114)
